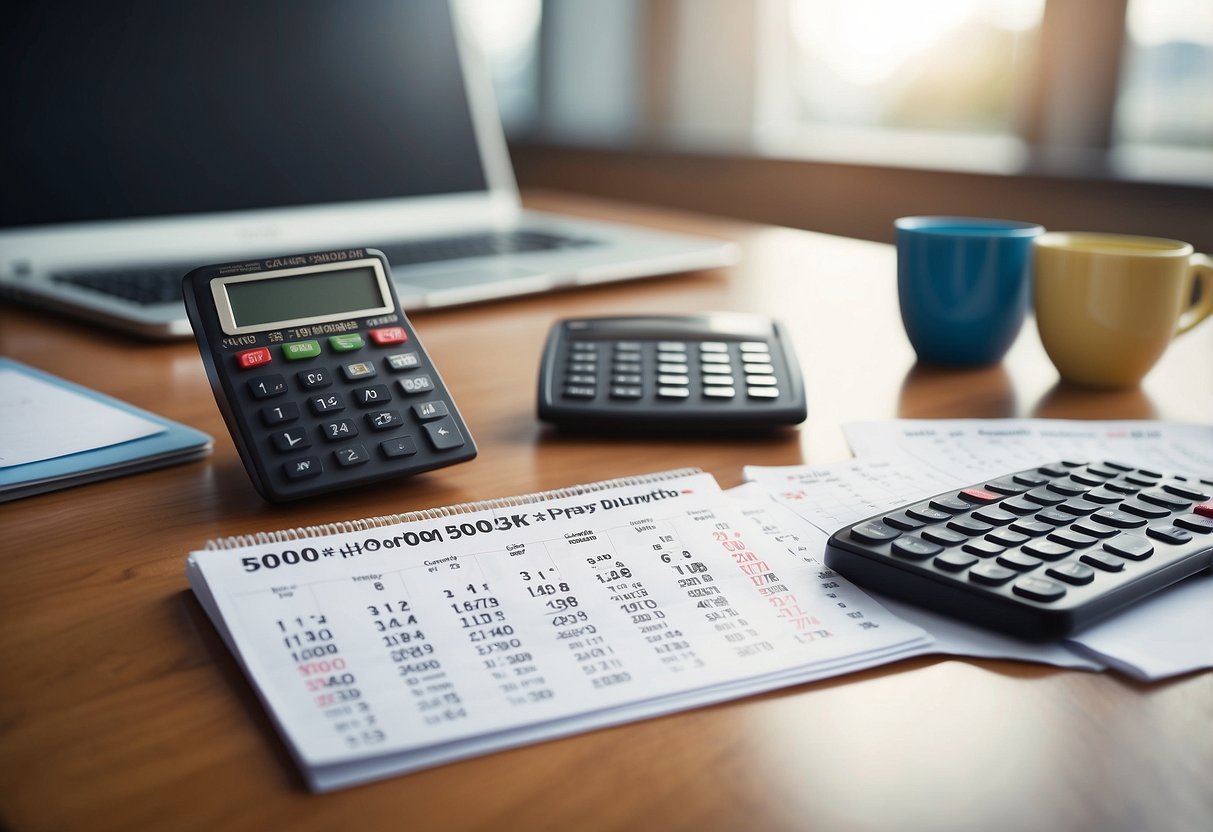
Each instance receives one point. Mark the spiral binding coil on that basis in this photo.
(346, 526)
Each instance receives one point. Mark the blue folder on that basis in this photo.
(176, 443)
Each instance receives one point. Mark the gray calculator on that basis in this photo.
(716, 372)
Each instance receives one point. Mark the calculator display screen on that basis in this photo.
(300, 297)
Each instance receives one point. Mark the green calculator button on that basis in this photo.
(296, 350)
(345, 343)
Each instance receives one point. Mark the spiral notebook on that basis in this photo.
(389, 644)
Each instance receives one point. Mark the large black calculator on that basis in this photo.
(708, 372)
(320, 377)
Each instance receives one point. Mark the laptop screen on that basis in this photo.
(150, 108)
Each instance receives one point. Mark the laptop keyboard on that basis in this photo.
(162, 284)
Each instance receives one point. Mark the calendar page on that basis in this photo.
(395, 647)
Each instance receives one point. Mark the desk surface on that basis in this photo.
(121, 708)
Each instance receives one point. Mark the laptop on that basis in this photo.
(146, 138)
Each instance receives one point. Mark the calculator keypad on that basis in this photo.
(350, 405)
(1038, 553)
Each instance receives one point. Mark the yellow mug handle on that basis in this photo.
(1199, 272)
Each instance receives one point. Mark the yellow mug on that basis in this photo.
(1107, 305)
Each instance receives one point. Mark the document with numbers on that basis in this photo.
(391, 644)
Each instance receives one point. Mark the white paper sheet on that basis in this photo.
(40, 420)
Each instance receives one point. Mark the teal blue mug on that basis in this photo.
(963, 285)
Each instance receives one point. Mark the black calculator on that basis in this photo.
(714, 372)
(1039, 553)
(321, 378)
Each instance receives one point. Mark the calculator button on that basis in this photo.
(1019, 505)
(1130, 546)
(714, 358)
(386, 335)
(873, 531)
(253, 358)
(762, 392)
(358, 371)
(277, 414)
(969, 526)
(1185, 491)
(626, 391)
(753, 346)
(326, 404)
(760, 369)
(1102, 561)
(954, 561)
(1051, 471)
(580, 378)
(266, 387)
(403, 361)
(671, 346)
(1038, 589)
(627, 368)
(950, 504)
(411, 385)
(672, 368)
(1093, 529)
(1104, 496)
(672, 358)
(991, 574)
(1018, 561)
(1068, 487)
(717, 370)
(673, 392)
(291, 439)
(1118, 466)
(1072, 573)
(1204, 510)
(443, 434)
(983, 548)
(1044, 497)
(1006, 537)
(1169, 534)
(927, 514)
(346, 343)
(1006, 486)
(719, 392)
(1072, 538)
(340, 429)
(1144, 482)
(1030, 480)
(1078, 507)
(1087, 480)
(435, 409)
(1101, 472)
(1118, 519)
(761, 381)
(1055, 516)
(979, 495)
(903, 521)
(575, 392)
(673, 381)
(913, 548)
(298, 350)
(398, 447)
(1195, 522)
(997, 516)
(375, 394)
(1032, 528)
(1047, 550)
(1122, 487)
(582, 367)
(298, 469)
(384, 419)
(314, 379)
(1164, 499)
(713, 347)
(351, 455)
(944, 537)
(628, 346)
(626, 378)
(1144, 510)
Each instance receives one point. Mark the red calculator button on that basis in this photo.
(253, 358)
(979, 495)
(388, 335)
(1204, 510)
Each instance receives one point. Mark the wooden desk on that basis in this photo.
(120, 708)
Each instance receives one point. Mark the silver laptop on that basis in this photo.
(144, 139)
